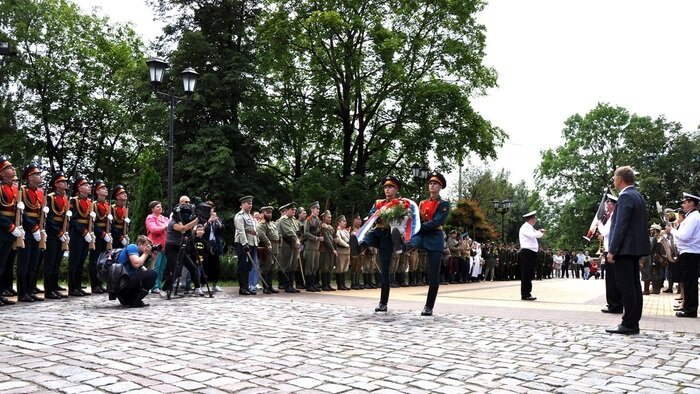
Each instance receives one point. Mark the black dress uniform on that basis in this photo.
(58, 204)
(8, 205)
(102, 211)
(81, 207)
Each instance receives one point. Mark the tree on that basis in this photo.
(149, 189)
(470, 218)
(76, 88)
(574, 175)
(373, 81)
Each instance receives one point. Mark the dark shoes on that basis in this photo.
(427, 311)
(244, 292)
(381, 308)
(397, 240)
(138, 304)
(622, 330)
(97, 290)
(528, 298)
(686, 314)
(608, 310)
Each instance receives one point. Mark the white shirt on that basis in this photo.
(687, 236)
(604, 230)
(528, 237)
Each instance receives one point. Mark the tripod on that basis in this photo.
(177, 274)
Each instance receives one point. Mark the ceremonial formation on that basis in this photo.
(398, 243)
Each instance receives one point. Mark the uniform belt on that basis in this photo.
(101, 224)
(83, 221)
(32, 215)
(119, 226)
(57, 219)
(5, 213)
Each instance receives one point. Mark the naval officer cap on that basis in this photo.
(692, 197)
(245, 199)
(611, 197)
(529, 214)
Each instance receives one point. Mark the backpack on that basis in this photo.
(105, 262)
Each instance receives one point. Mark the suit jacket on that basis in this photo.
(628, 228)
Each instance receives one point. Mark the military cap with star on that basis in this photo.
(4, 163)
(119, 189)
(99, 184)
(79, 181)
(439, 178)
(392, 181)
(693, 197)
(31, 169)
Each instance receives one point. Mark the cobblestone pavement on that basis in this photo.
(332, 344)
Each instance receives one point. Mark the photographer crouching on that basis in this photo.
(133, 257)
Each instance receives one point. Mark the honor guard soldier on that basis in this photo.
(7, 280)
(289, 257)
(268, 248)
(380, 238)
(9, 231)
(312, 238)
(246, 241)
(120, 216)
(103, 238)
(431, 237)
(34, 202)
(81, 238)
(57, 239)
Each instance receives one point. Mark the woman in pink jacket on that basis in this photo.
(156, 224)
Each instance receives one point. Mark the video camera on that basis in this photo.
(185, 213)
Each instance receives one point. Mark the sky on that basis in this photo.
(557, 58)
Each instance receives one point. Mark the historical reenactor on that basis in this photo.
(120, 216)
(289, 256)
(300, 220)
(342, 241)
(57, 238)
(34, 202)
(103, 238)
(328, 252)
(527, 255)
(80, 236)
(246, 242)
(355, 255)
(687, 239)
(431, 237)
(268, 248)
(312, 238)
(629, 240)
(380, 238)
(9, 232)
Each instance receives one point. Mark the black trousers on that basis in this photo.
(527, 260)
(212, 266)
(53, 256)
(690, 263)
(5, 252)
(137, 288)
(612, 293)
(627, 279)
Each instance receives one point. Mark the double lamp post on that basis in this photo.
(502, 207)
(156, 71)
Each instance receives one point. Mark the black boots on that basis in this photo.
(23, 289)
(383, 299)
(243, 284)
(430, 302)
(311, 283)
(326, 279)
(340, 281)
(268, 288)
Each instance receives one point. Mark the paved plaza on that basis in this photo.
(481, 339)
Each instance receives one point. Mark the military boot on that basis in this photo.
(646, 287)
(23, 289)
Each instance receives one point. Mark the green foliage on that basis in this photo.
(574, 175)
(469, 217)
(150, 188)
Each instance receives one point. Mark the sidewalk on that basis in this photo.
(481, 339)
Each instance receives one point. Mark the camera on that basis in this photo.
(185, 213)
(156, 248)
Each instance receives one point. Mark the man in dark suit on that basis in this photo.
(628, 242)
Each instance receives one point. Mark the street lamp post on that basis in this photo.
(6, 49)
(420, 174)
(502, 207)
(156, 72)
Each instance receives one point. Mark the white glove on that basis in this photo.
(107, 238)
(37, 235)
(17, 232)
(69, 214)
(43, 233)
(65, 238)
(127, 220)
(124, 241)
(110, 217)
(87, 238)
(20, 206)
(45, 210)
(93, 215)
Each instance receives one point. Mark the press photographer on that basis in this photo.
(185, 217)
(141, 280)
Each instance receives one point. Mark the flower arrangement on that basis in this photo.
(394, 212)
